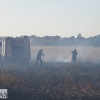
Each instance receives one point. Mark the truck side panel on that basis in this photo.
(27, 48)
(8, 48)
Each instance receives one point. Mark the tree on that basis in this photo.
(79, 35)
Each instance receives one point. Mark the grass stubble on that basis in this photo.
(54, 81)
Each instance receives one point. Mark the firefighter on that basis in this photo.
(74, 53)
(40, 53)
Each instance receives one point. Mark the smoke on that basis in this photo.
(62, 59)
(54, 58)
(63, 53)
(88, 54)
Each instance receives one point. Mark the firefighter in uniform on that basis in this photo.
(40, 53)
(74, 53)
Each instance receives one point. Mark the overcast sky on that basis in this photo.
(64, 18)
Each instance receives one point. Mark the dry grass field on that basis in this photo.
(59, 79)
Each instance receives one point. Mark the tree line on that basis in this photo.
(71, 41)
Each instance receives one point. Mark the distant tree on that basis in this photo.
(72, 40)
(32, 37)
(57, 40)
(46, 37)
(72, 37)
(79, 35)
(57, 37)
(96, 43)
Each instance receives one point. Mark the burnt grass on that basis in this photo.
(54, 81)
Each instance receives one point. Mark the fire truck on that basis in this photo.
(15, 50)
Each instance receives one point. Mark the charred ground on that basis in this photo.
(54, 81)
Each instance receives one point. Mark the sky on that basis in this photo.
(63, 18)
